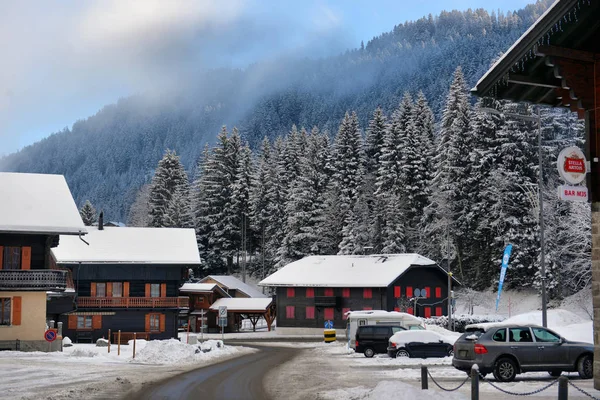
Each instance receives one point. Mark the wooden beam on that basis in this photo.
(529, 81)
(564, 52)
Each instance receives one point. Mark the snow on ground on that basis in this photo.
(387, 390)
(87, 371)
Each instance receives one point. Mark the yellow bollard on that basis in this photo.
(329, 335)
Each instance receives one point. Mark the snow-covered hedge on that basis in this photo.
(462, 320)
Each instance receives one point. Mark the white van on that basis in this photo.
(379, 317)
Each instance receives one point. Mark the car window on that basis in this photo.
(500, 335)
(366, 330)
(543, 335)
(397, 329)
(519, 335)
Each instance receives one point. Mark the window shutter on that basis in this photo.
(163, 290)
(428, 292)
(72, 322)
(409, 292)
(438, 292)
(438, 311)
(1, 255)
(93, 289)
(427, 312)
(310, 292)
(25, 257)
(16, 319)
(125, 289)
(291, 292)
(147, 320)
(148, 295)
(397, 291)
(109, 289)
(162, 322)
(96, 321)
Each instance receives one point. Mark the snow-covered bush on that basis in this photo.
(462, 320)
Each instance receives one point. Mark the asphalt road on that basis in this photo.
(239, 378)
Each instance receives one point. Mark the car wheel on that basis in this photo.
(505, 370)
(402, 353)
(369, 352)
(585, 367)
(555, 373)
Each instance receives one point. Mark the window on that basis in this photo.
(409, 292)
(291, 292)
(396, 329)
(543, 335)
(367, 293)
(154, 322)
(499, 336)
(438, 311)
(310, 292)
(438, 292)
(344, 311)
(329, 313)
(346, 292)
(397, 292)
(155, 290)
(117, 289)
(100, 289)
(427, 292)
(310, 312)
(329, 292)
(84, 322)
(427, 312)
(519, 335)
(5, 311)
(290, 312)
(12, 257)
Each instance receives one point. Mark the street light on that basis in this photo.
(537, 119)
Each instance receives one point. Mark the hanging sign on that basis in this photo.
(572, 165)
(573, 193)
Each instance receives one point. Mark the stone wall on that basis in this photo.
(596, 289)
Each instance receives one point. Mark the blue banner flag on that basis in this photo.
(505, 259)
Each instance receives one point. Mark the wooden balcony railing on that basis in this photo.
(33, 279)
(133, 302)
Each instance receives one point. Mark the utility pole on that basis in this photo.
(449, 277)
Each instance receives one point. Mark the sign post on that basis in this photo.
(222, 320)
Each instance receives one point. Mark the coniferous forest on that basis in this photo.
(377, 150)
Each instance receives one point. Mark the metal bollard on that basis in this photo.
(563, 388)
(424, 383)
(475, 382)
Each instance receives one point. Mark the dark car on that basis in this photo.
(508, 350)
(419, 344)
(371, 339)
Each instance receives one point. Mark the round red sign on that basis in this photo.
(571, 165)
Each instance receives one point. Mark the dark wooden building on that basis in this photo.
(127, 279)
(34, 210)
(315, 289)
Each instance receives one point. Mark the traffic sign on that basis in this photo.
(222, 311)
(328, 324)
(50, 335)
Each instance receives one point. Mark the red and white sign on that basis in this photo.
(573, 193)
(571, 165)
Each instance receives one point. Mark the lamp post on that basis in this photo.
(537, 119)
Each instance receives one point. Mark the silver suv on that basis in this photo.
(508, 350)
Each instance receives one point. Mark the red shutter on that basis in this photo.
(109, 289)
(410, 310)
(367, 308)
(329, 292)
(290, 312)
(162, 322)
(291, 292)
(329, 313)
(147, 322)
(93, 289)
(438, 292)
(397, 309)
(25, 257)
(438, 311)
(72, 322)
(310, 292)
(409, 292)
(96, 321)
(344, 311)
(367, 293)
(346, 292)
(427, 312)
(16, 319)
(163, 290)
(125, 289)
(148, 295)
(397, 291)
(310, 312)
(1, 255)
(427, 292)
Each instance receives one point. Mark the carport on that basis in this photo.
(248, 308)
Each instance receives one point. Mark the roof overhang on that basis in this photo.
(548, 63)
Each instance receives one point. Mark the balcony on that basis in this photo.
(133, 302)
(33, 280)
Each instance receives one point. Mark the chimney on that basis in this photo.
(101, 221)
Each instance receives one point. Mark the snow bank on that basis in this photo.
(172, 351)
(556, 318)
(388, 390)
(583, 332)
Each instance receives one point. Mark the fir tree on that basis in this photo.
(168, 178)
(88, 213)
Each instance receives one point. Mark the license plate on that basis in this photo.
(463, 353)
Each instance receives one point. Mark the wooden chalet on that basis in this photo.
(556, 62)
(316, 289)
(127, 279)
(34, 210)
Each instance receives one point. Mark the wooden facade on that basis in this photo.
(310, 307)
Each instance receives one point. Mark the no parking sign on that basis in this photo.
(50, 335)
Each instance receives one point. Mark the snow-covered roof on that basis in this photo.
(130, 246)
(198, 287)
(231, 282)
(38, 203)
(383, 314)
(346, 271)
(243, 304)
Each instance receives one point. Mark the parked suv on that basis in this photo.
(371, 339)
(508, 350)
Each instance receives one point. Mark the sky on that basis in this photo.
(61, 61)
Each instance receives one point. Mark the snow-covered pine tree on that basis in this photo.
(277, 198)
(138, 212)
(88, 213)
(179, 213)
(241, 197)
(168, 177)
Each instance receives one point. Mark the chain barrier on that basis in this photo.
(520, 394)
(443, 388)
(582, 391)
